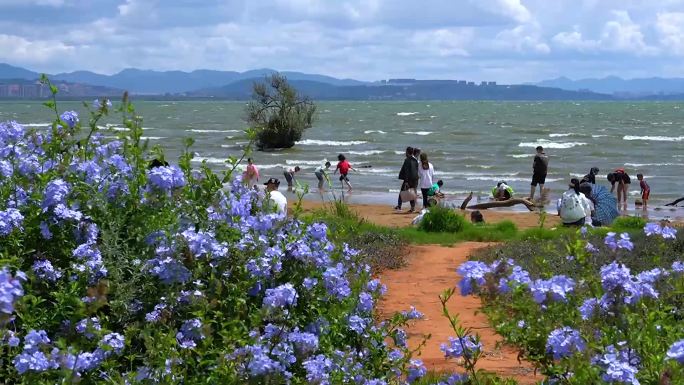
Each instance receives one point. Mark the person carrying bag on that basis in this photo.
(409, 176)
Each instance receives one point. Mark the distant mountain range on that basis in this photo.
(166, 82)
(620, 87)
(238, 85)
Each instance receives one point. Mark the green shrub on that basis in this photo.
(629, 223)
(506, 226)
(442, 219)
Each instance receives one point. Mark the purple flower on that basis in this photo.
(458, 347)
(86, 326)
(306, 343)
(564, 342)
(357, 324)
(625, 242)
(113, 341)
(558, 286)
(454, 379)
(412, 314)
(34, 340)
(56, 192)
(45, 231)
(169, 270)
(365, 303)
(669, 233)
(676, 352)
(318, 369)
(166, 178)
(97, 104)
(652, 229)
(591, 248)
(10, 290)
(416, 370)
(280, 297)
(400, 337)
(618, 366)
(678, 267)
(33, 362)
(614, 276)
(10, 219)
(318, 230)
(335, 282)
(45, 270)
(588, 308)
(610, 241)
(472, 272)
(70, 118)
(190, 333)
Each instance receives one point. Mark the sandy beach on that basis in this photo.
(384, 215)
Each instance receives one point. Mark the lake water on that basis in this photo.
(471, 144)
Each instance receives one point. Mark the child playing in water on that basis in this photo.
(645, 190)
(343, 166)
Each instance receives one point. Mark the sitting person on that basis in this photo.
(275, 200)
(502, 191)
(573, 206)
(435, 190)
(477, 217)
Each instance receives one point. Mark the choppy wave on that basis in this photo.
(153, 137)
(374, 131)
(507, 179)
(315, 142)
(297, 162)
(421, 133)
(406, 113)
(210, 131)
(37, 124)
(562, 135)
(652, 164)
(520, 155)
(654, 138)
(549, 144)
(598, 136)
(366, 153)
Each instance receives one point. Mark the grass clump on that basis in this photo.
(442, 219)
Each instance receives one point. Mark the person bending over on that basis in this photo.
(502, 191)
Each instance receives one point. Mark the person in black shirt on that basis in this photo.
(540, 167)
(591, 177)
(409, 176)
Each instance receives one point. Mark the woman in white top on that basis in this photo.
(426, 173)
(574, 207)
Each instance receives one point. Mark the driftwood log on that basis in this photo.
(507, 203)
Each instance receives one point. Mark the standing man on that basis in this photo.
(322, 175)
(409, 176)
(540, 166)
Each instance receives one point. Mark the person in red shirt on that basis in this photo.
(343, 167)
(645, 190)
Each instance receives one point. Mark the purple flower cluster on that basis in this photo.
(557, 288)
(676, 352)
(623, 242)
(44, 270)
(617, 280)
(564, 342)
(472, 275)
(461, 346)
(666, 232)
(165, 178)
(416, 371)
(280, 297)
(70, 118)
(618, 366)
(10, 290)
(190, 333)
(10, 219)
(88, 326)
(203, 243)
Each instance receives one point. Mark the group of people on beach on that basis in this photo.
(417, 172)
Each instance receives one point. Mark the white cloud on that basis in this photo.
(443, 42)
(16, 48)
(670, 27)
(575, 41)
(623, 35)
(524, 38)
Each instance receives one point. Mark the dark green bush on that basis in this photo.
(442, 219)
(381, 250)
(628, 223)
(506, 226)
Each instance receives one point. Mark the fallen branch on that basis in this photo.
(507, 203)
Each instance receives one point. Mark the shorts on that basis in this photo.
(538, 179)
(343, 177)
(645, 195)
(288, 178)
(319, 176)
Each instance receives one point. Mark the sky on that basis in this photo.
(509, 41)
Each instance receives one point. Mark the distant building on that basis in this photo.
(471, 83)
(491, 83)
(403, 82)
(483, 84)
(462, 82)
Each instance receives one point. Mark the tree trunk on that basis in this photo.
(507, 203)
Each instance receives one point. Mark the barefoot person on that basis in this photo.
(251, 175)
(322, 175)
(623, 181)
(343, 167)
(289, 174)
(540, 167)
(645, 191)
(409, 177)
(426, 172)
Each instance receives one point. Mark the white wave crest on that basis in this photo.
(374, 131)
(520, 155)
(654, 138)
(549, 144)
(153, 137)
(652, 164)
(421, 133)
(406, 113)
(560, 135)
(210, 131)
(366, 153)
(37, 124)
(314, 142)
(598, 136)
(296, 162)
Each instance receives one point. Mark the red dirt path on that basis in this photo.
(429, 271)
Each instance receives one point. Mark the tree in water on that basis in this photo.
(279, 113)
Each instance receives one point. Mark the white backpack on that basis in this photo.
(571, 209)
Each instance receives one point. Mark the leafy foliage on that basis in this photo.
(279, 113)
(442, 219)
